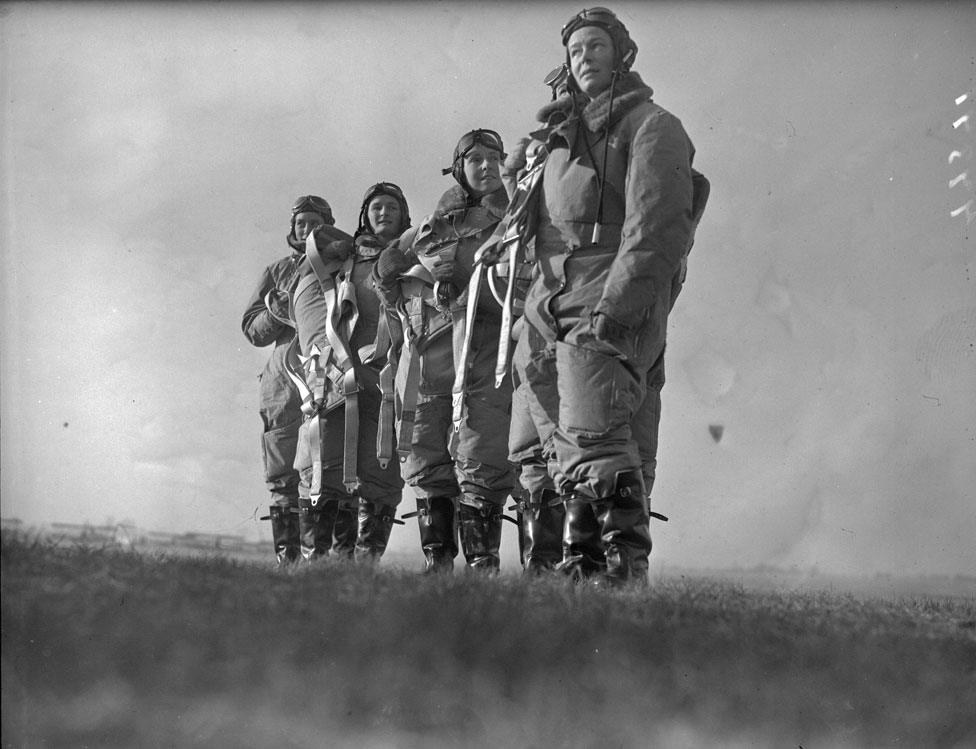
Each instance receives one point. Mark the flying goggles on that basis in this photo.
(603, 17)
(557, 80)
(384, 188)
(486, 138)
(312, 204)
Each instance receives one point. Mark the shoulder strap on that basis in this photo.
(507, 244)
(341, 316)
(463, 329)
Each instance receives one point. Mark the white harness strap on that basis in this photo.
(408, 386)
(463, 330)
(339, 325)
(389, 340)
(342, 314)
(507, 243)
(306, 373)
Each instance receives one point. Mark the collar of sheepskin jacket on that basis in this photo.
(458, 199)
(629, 91)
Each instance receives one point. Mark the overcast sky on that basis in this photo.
(151, 152)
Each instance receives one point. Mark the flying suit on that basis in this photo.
(280, 403)
(378, 488)
(477, 471)
(596, 414)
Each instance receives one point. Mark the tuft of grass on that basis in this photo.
(119, 649)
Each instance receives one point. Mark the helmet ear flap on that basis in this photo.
(457, 171)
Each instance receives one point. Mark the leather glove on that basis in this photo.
(391, 264)
(605, 328)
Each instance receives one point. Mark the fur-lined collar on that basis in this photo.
(629, 91)
(457, 199)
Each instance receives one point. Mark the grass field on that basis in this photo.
(103, 648)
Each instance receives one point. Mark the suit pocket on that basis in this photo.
(597, 394)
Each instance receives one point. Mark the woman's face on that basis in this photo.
(305, 223)
(591, 59)
(481, 169)
(385, 216)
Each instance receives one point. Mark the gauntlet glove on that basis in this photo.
(390, 265)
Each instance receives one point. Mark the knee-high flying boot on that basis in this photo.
(346, 528)
(481, 532)
(582, 549)
(625, 531)
(375, 523)
(438, 532)
(284, 532)
(541, 532)
(316, 524)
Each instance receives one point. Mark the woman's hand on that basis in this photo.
(606, 329)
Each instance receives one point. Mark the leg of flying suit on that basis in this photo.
(646, 423)
(644, 428)
(330, 527)
(602, 387)
(484, 473)
(364, 519)
(598, 398)
(280, 409)
(429, 469)
(380, 489)
(541, 511)
(316, 524)
(582, 551)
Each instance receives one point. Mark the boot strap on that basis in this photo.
(293, 510)
(389, 517)
(486, 509)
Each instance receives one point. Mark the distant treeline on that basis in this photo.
(127, 535)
